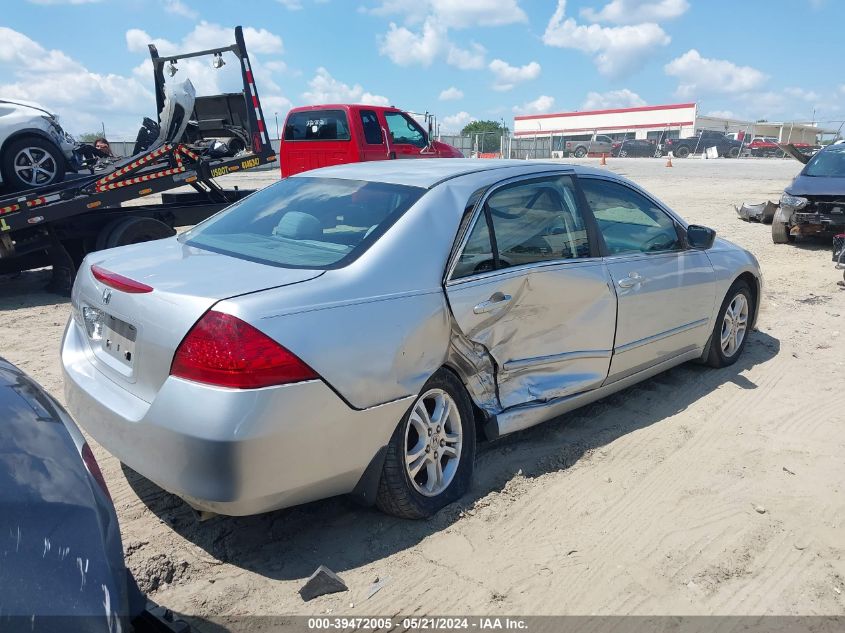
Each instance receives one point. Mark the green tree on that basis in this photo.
(490, 134)
(89, 137)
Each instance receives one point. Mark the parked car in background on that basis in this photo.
(814, 202)
(763, 146)
(683, 147)
(323, 135)
(634, 147)
(581, 145)
(63, 566)
(34, 149)
(346, 330)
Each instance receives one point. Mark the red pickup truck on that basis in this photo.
(322, 135)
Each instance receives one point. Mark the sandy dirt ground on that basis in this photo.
(699, 491)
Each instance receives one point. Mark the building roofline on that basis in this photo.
(670, 106)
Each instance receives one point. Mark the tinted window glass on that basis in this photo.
(477, 255)
(829, 162)
(628, 221)
(372, 128)
(404, 129)
(538, 221)
(305, 222)
(317, 125)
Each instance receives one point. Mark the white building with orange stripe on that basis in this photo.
(674, 120)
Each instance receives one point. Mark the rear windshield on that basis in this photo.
(827, 163)
(305, 222)
(317, 125)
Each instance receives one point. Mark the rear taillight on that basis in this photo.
(224, 351)
(94, 468)
(119, 282)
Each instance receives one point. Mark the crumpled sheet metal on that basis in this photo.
(759, 212)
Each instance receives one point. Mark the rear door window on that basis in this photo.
(317, 125)
(372, 128)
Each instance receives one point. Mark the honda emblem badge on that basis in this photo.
(106, 296)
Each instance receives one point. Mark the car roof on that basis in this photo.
(429, 172)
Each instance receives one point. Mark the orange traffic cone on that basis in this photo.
(603, 159)
(669, 160)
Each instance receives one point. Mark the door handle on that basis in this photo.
(633, 279)
(496, 300)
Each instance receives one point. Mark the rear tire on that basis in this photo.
(780, 233)
(580, 152)
(682, 151)
(732, 326)
(135, 230)
(733, 152)
(422, 440)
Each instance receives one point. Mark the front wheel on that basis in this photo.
(431, 455)
(731, 330)
(733, 152)
(780, 233)
(682, 151)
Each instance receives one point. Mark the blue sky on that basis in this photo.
(462, 59)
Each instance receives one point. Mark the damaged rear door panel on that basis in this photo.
(530, 292)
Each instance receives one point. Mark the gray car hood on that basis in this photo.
(816, 186)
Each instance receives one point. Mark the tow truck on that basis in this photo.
(59, 224)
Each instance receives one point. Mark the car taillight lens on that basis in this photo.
(94, 468)
(224, 351)
(119, 282)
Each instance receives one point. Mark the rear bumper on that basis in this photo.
(234, 452)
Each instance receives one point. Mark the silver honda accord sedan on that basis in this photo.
(349, 329)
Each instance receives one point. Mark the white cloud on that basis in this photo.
(455, 123)
(422, 45)
(698, 76)
(466, 59)
(177, 7)
(326, 89)
(451, 94)
(51, 2)
(637, 11)
(405, 47)
(508, 76)
(616, 50)
(452, 14)
(206, 35)
(540, 105)
(722, 114)
(82, 98)
(473, 13)
(800, 93)
(612, 99)
(291, 5)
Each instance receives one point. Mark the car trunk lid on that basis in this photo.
(133, 334)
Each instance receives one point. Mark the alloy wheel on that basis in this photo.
(35, 166)
(433, 440)
(734, 325)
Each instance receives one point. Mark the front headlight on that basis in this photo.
(796, 202)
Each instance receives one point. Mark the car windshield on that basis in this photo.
(828, 163)
(305, 222)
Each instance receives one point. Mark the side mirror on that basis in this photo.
(700, 237)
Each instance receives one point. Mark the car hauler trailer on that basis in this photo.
(59, 224)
